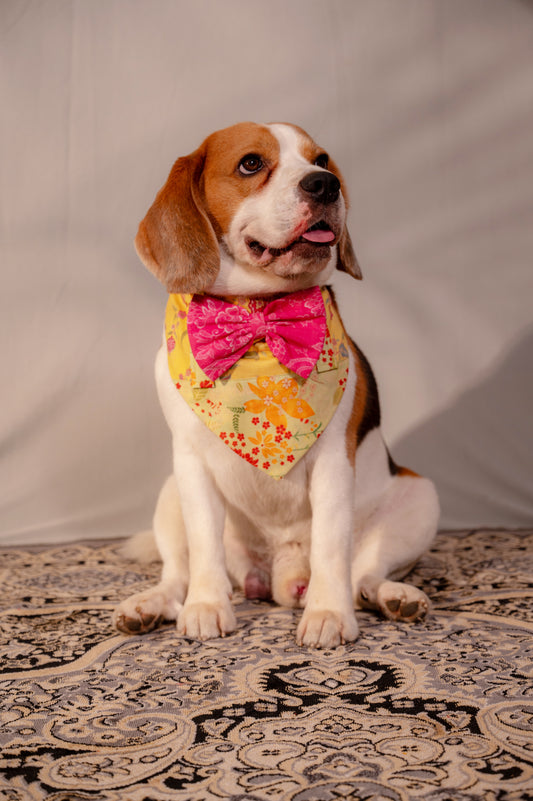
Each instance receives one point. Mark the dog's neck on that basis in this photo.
(235, 280)
(260, 299)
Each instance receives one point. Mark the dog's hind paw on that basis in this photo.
(144, 612)
(402, 602)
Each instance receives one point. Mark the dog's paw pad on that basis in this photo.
(393, 604)
(402, 602)
(412, 610)
(140, 624)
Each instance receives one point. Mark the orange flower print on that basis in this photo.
(268, 447)
(275, 396)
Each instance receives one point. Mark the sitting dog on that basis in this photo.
(281, 479)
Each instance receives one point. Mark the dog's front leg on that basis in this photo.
(207, 611)
(328, 618)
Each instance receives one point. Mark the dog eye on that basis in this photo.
(250, 164)
(322, 161)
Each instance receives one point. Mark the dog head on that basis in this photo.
(256, 209)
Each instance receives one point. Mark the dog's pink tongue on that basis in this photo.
(318, 235)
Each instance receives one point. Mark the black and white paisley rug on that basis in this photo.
(440, 710)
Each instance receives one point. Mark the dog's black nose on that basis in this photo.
(322, 186)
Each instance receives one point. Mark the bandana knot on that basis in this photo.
(258, 325)
(293, 326)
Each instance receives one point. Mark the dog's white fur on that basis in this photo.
(337, 530)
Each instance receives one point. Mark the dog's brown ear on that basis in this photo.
(176, 240)
(346, 261)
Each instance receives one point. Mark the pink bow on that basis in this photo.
(294, 327)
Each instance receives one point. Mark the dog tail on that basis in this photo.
(141, 548)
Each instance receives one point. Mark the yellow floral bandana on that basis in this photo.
(267, 414)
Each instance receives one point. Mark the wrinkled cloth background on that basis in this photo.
(427, 106)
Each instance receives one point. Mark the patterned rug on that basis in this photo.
(440, 710)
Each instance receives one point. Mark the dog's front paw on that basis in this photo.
(145, 611)
(326, 629)
(204, 621)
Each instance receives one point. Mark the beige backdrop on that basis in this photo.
(428, 107)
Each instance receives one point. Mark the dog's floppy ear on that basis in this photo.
(346, 261)
(176, 240)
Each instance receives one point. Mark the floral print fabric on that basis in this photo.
(266, 413)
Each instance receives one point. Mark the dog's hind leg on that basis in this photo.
(146, 610)
(394, 537)
(248, 559)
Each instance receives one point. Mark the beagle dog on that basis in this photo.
(282, 485)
